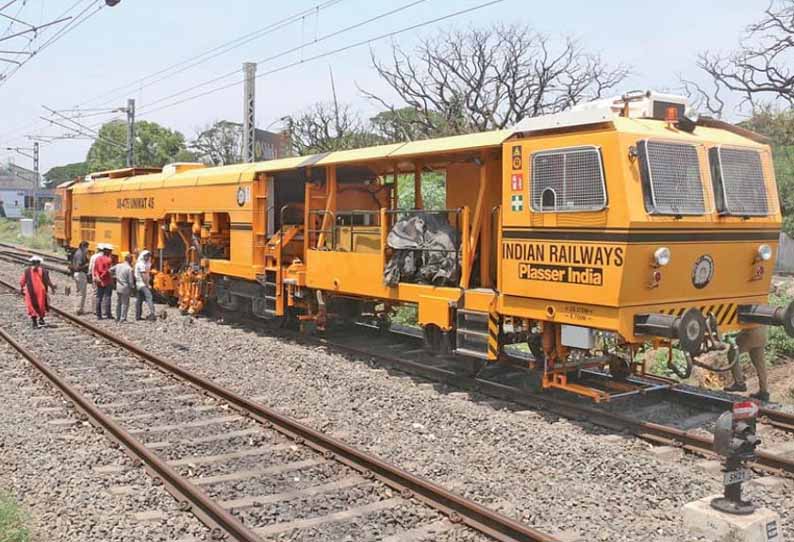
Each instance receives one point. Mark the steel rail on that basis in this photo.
(649, 431)
(776, 418)
(21, 259)
(203, 506)
(31, 251)
(458, 509)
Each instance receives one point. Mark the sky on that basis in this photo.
(104, 60)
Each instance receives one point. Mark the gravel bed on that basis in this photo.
(263, 460)
(299, 478)
(527, 465)
(50, 470)
(548, 472)
(179, 450)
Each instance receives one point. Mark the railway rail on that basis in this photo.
(339, 466)
(771, 416)
(655, 433)
(439, 369)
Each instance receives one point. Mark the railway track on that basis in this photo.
(32, 251)
(412, 360)
(417, 363)
(21, 255)
(245, 470)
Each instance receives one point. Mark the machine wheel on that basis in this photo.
(432, 334)
(619, 368)
(535, 343)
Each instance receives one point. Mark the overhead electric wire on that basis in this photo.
(214, 52)
(289, 51)
(393, 33)
(75, 22)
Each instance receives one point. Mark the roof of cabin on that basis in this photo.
(238, 173)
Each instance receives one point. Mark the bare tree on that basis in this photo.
(476, 80)
(219, 143)
(328, 127)
(759, 70)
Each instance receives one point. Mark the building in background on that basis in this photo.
(16, 192)
(271, 145)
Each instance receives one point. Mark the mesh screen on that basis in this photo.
(742, 182)
(676, 186)
(574, 175)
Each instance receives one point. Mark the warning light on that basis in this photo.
(671, 115)
(744, 410)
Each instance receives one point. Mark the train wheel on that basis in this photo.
(619, 368)
(432, 335)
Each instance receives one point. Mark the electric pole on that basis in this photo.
(249, 112)
(130, 132)
(35, 180)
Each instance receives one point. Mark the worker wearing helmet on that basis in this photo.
(34, 283)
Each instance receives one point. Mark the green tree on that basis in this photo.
(61, 174)
(155, 146)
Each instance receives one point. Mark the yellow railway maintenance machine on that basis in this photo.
(588, 235)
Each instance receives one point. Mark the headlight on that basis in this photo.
(662, 256)
(764, 252)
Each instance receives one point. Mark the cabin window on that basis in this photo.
(738, 179)
(570, 179)
(672, 182)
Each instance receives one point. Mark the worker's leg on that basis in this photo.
(123, 306)
(106, 302)
(738, 375)
(138, 304)
(81, 285)
(759, 362)
(100, 292)
(149, 301)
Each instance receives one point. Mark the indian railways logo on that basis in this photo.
(568, 263)
(243, 195)
(703, 271)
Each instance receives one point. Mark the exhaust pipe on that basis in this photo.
(689, 328)
(768, 315)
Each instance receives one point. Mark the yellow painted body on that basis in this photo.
(619, 241)
(596, 267)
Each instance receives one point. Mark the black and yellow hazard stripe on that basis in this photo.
(725, 313)
(493, 335)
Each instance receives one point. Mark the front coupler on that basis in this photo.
(768, 315)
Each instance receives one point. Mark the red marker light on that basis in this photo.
(744, 410)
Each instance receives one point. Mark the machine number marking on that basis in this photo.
(577, 312)
(135, 203)
(737, 477)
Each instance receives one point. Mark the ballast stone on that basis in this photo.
(763, 525)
